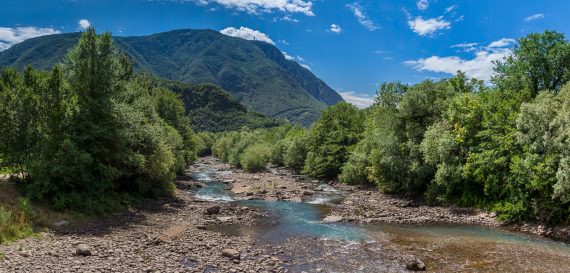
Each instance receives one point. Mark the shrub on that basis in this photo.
(255, 157)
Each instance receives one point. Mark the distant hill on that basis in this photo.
(254, 72)
(215, 110)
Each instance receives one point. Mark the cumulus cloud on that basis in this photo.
(247, 33)
(480, 67)
(361, 17)
(533, 17)
(422, 4)
(264, 6)
(12, 36)
(335, 28)
(425, 27)
(84, 23)
(360, 100)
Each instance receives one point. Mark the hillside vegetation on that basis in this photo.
(503, 147)
(254, 72)
(212, 109)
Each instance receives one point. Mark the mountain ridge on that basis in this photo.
(254, 72)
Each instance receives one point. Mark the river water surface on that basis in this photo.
(297, 229)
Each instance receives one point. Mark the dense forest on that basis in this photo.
(502, 146)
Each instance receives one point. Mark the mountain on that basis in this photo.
(213, 109)
(254, 72)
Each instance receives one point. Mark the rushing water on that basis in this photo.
(339, 247)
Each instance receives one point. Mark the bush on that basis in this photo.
(255, 157)
(14, 224)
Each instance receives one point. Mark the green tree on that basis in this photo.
(540, 61)
(332, 138)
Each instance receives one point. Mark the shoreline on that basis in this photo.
(175, 235)
(361, 205)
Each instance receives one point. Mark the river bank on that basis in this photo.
(277, 221)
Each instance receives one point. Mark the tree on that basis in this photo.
(332, 138)
(539, 62)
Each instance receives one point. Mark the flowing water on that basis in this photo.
(298, 228)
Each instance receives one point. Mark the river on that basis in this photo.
(300, 232)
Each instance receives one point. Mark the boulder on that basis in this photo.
(415, 265)
(332, 219)
(83, 250)
(308, 193)
(231, 253)
(213, 210)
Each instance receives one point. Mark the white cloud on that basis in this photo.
(12, 36)
(480, 67)
(360, 100)
(362, 18)
(264, 6)
(284, 42)
(534, 17)
(450, 8)
(305, 66)
(467, 47)
(247, 33)
(287, 56)
(335, 28)
(83, 24)
(425, 27)
(502, 43)
(422, 4)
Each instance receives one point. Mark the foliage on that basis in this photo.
(255, 157)
(89, 134)
(331, 140)
(15, 224)
(540, 61)
(215, 110)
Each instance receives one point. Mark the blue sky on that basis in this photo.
(351, 45)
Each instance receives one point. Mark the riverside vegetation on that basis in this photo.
(92, 136)
(503, 147)
(89, 135)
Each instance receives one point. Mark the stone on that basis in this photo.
(231, 253)
(61, 223)
(83, 250)
(213, 210)
(415, 265)
(225, 218)
(333, 219)
(308, 193)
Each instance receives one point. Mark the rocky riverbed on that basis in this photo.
(194, 233)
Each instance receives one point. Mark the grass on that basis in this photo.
(19, 218)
